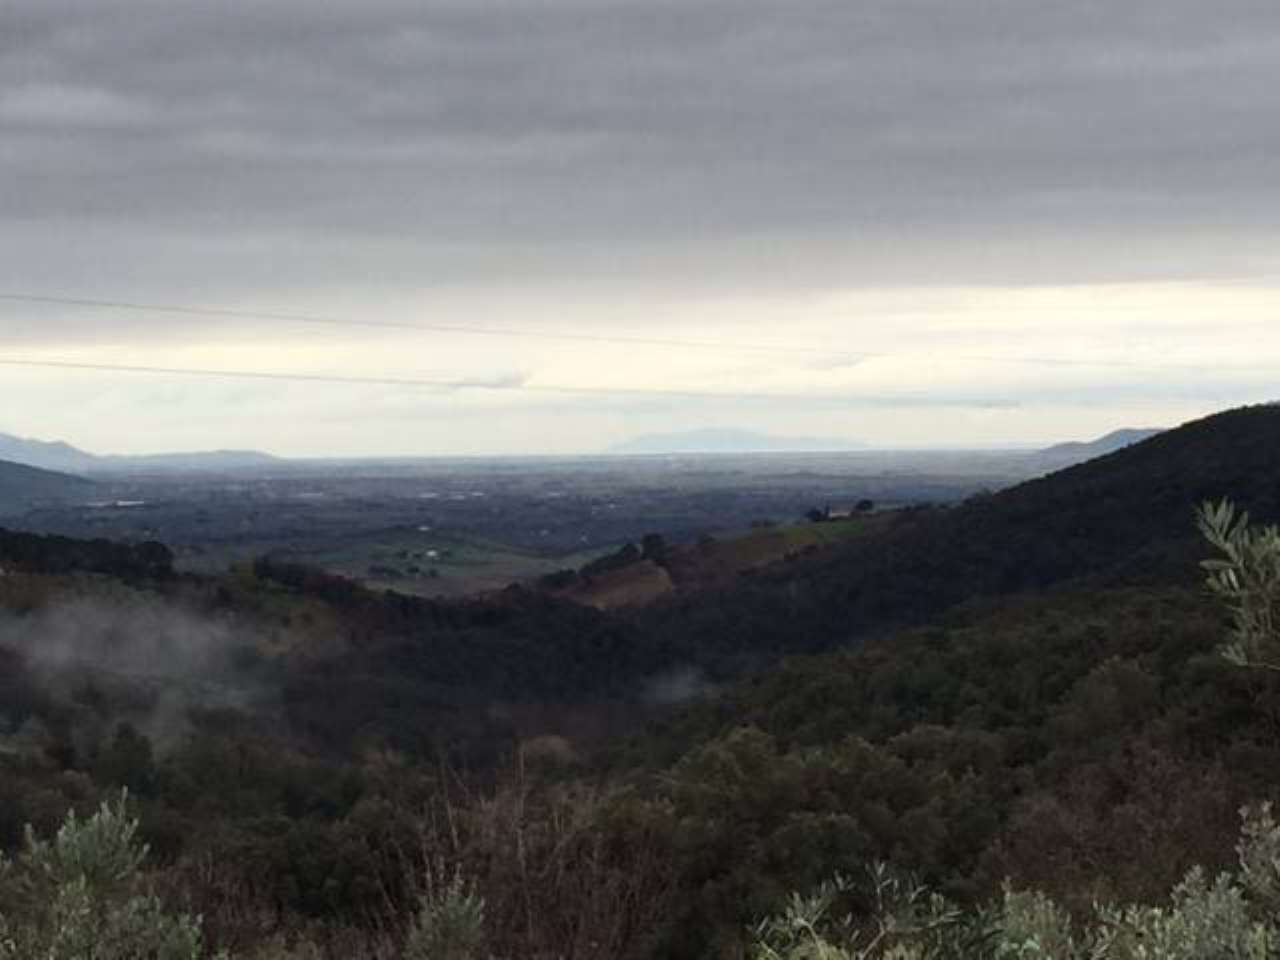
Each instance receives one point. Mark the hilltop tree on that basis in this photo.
(653, 547)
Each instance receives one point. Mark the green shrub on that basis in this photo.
(449, 925)
(1033, 927)
(905, 921)
(1231, 917)
(1204, 921)
(1246, 575)
(1259, 856)
(80, 896)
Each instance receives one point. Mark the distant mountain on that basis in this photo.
(55, 455)
(47, 455)
(23, 487)
(1080, 451)
(728, 441)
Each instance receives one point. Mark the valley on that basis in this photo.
(457, 527)
(678, 727)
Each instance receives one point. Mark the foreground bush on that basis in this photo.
(1246, 577)
(1235, 916)
(80, 896)
(448, 926)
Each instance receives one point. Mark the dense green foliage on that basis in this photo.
(1026, 688)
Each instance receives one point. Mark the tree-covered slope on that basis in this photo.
(1126, 517)
(21, 487)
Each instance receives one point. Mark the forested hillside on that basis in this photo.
(1026, 687)
(1124, 518)
(22, 487)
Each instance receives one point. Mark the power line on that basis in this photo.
(507, 332)
(183, 310)
(723, 346)
(497, 384)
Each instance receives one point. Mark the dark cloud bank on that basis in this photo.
(246, 143)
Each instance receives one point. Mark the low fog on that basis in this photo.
(141, 660)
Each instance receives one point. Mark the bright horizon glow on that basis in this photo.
(952, 367)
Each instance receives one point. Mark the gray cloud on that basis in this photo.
(333, 157)
(631, 124)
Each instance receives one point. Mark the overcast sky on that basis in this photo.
(906, 222)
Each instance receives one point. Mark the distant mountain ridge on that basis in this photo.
(1079, 451)
(58, 456)
(731, 440)
(716, 440)
(43, 454)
